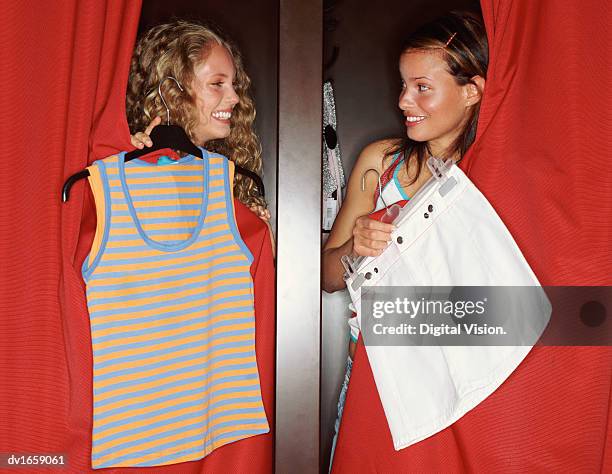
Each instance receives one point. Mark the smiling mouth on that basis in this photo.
(412, 120)
(222, 115)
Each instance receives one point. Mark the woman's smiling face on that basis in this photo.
(435, 107)
(215, 96)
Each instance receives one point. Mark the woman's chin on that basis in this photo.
(416, 137)
(215, 135)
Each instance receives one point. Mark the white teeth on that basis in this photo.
(414, 118)
(222, 115)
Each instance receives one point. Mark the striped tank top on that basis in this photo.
(170, 300)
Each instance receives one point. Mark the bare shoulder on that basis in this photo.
(359, 199)
(374, 154)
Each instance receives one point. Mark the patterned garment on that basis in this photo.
(333, 173)
(392, 190)
(170, 299)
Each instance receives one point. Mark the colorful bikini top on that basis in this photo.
(392, 190)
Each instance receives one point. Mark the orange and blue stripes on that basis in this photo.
(170, 299)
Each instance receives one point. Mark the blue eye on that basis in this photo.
(422, 87)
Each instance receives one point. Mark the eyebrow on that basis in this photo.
(417, 78)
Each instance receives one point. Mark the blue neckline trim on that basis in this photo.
(397, 183)
(128, 198)
(395, 159)
(184, 159)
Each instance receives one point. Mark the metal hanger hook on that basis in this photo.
(162, 95)
(363, 177)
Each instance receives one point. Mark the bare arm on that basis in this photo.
(353, 231)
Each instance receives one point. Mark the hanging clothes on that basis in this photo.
(170, 299)
(449, 236)
(333, 174)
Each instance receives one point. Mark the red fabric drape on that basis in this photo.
(542, 158)
(65, 69)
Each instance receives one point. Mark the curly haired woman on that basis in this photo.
(215, 108)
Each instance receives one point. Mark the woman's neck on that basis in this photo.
(442, 152)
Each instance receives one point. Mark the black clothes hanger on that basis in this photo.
(164, 136)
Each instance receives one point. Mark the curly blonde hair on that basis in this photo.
(175, 49)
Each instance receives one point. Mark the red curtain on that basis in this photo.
(542, 158)
(65, 67)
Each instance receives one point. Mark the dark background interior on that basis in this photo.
(365, 76)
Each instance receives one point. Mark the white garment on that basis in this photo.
(462, 242)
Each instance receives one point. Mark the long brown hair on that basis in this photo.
(174, 49)
(462, 38)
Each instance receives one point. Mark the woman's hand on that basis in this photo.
(370, 237)
(142, 139)
(353, 232)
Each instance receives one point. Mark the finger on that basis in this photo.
(368, 223)
(135, 142)
(378, 235)
(363, 235)
(138, 140)
(373, 244)
(154, 123)
(366, 251)
(144, 138)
